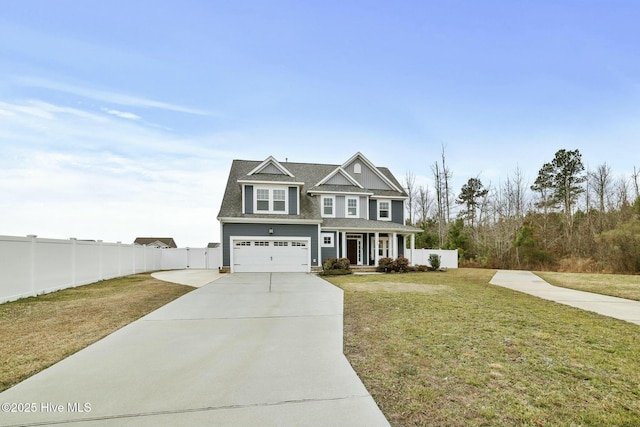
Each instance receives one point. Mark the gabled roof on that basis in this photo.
(375, 170)
(304, 176)
(270, 166)
(342, 172)
(160, 242)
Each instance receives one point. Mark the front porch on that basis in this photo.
(365, 248)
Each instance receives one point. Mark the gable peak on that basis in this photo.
(271, 166)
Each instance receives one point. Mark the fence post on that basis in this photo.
(73, 260)
(100, 260)
(32, 263)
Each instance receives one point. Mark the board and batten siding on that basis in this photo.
(293, 200)
(248, 199)
(259, 230)
(397, 211)
(367, 177)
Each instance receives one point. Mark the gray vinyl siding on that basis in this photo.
(397, 211)
(373, 209)
(284, 230)
(293, 200)
(339, 179)
(330, 252)
(248, 199)
(367, 178)
(363, 207)
(271, 170)
(340, 207)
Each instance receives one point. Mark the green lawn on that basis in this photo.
(40, 331)
(617, 285)
(448, 349)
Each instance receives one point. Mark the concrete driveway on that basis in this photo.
(248, 349)
(525, 281)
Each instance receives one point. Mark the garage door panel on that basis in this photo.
(285, 255)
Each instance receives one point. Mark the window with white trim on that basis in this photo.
(260, 243)
(352, 207)
(280, 243)
(279, 200)
(384, 210)
(328, 206)
(327, 240)
(262, 199)
(243, 243)
(299, 244)
(271, 200)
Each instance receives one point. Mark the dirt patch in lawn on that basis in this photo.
(396, 287)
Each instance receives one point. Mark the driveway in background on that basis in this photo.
(525, 281)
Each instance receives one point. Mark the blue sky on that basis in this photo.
(120, 119)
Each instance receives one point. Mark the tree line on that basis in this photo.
(569, 219)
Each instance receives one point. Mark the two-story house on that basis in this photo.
(281, 216)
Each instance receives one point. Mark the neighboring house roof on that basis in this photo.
(305, 175)
(213, 245)
(160, 242)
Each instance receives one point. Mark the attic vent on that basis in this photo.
(357, 168)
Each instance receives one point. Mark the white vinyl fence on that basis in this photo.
(32, 266)
(448, 258)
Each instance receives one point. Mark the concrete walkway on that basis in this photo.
(525, 281)
(248, 349)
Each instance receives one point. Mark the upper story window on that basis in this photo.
(271, 200)
(279, 200)
(328, 206)
(262, 199)
(352, 207)
(384, 210)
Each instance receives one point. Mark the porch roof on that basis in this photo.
(366, 225)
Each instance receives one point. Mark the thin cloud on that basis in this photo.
(107, 96)
(121, 114)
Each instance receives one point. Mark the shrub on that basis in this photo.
(388, 265)
(400, 264)
(336, 264)
(434, 260)
(385, 265)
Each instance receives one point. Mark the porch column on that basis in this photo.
(344, 245)
(394, 246)
(413, 246)
(376, 246)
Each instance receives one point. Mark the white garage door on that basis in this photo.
(285, 255)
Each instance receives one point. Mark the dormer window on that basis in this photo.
(279, 199)
(271, 200)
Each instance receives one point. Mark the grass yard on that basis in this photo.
(39, 331)
(448, 349)
(616, 285)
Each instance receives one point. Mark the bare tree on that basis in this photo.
(410, 186)
(447, 175)
(423, 204)
(600, 181)
(635, 177)
(440, 208)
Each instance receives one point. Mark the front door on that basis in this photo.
(352, 251)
